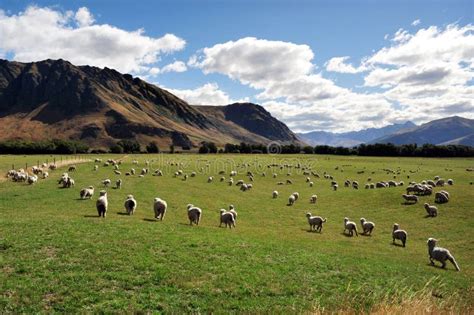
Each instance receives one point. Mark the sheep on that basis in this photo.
(130, 205)
(193, 174)
(117, 172)
(222, 179)
(231, 182)
(118, 184)
(311, 184)
(440, 182)
(347, 183)
(106, 182)
(72, 168)
(441, 197)
(291, 200)
(45, 175)
(96, 168)
(450, 182)
(159, 207)
(87, 192)
(210, 179)
(315, 223)
(313, 198)
(275, 194)
(350, 226)
(367, 226)
(410, 198)
(297, 195)
(289, 182)
(32, 179)
(367, 186)
(132, 171)
(116, 167)
(334, 187)
(234, 213)
(102, 204)
(227, 218)
(431, 210)
(244, 187)
(144, 171)
(440, 254)
(194, 214)
(355, 185)
(399, 234)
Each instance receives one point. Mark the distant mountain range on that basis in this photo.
(55, 99)
(353, 138)
(450, 130)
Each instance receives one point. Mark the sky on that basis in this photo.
(316, 65)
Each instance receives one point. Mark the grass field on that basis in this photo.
(57, 256)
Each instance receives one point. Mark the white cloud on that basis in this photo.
(338, 64)
(422, 76)
(416, 22)
(177, 66)
(208, 94)
(42, 33)
(84, 17)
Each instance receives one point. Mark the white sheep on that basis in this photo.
(159, 207)
(450, 182)
(410, 198)
(234, 213)
(194, 214)
(350, 226)
(431, 210)
(399, 234)
(313, 198)
(210, 179)
(87, 192)
(231, 182)
(102, 204)
(315, 222)
(96, 168)
(45, 175)
(130, 205)
(275, 194)
(291, 200)
(297, 195)
(335, 187)
(440, 254)
(441, 197)
(106, 182)
(226, 218)
(311, 184)
(118, 183)
(32, 179)
(367, 226)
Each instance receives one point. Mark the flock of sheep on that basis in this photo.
(228, 217)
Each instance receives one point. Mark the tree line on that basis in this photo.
(57, 146)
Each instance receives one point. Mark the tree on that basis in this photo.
(152, 147)
(129, 146)
(172, 148)
(116, 149)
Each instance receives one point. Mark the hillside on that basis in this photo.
(451, 130)
(55, 99)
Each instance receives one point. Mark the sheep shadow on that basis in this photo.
(397, 244)
(312, 231)
(437, 266)
(123, 213)
(348, 235)
(429, 216)
(91, 216)
(406, 203)
(150, 220)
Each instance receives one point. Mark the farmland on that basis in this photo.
(57, 255)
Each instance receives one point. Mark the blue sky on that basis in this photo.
(297, 38)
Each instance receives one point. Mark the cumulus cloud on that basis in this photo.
(338, 64)
(40, 33)
(177, 66)
(207, 94)
(419, 77)
(416, 22)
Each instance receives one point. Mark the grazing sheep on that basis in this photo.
(234, 213)
(440, 254)
(87, 192)
(118, 184)
(159, 207)
(231, 182)
(144, 171)
(355, 185)
(222, 179)
(367, 226)
(45, 175)
(227, 218)
(194, 214)
(210, 179)
(244, 187)
(450, 182)
(440, 183)
(367, 186)
(32, 179)
(441, 197)
(117, 172)
(72, 168)
(313, 198)
(431, 210)
(350, 226)
(297, 195)
(130, 205)
(335, 187)
(289, 182)
(410, 198)
(315, 222)
(399, 234)
(102, 204)
(96, 168)
(106, 182)
(291, 200)
(275, 194)
(311, 184)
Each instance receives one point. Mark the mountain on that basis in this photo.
(352, 138)
(55, 99)
(450, 130)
